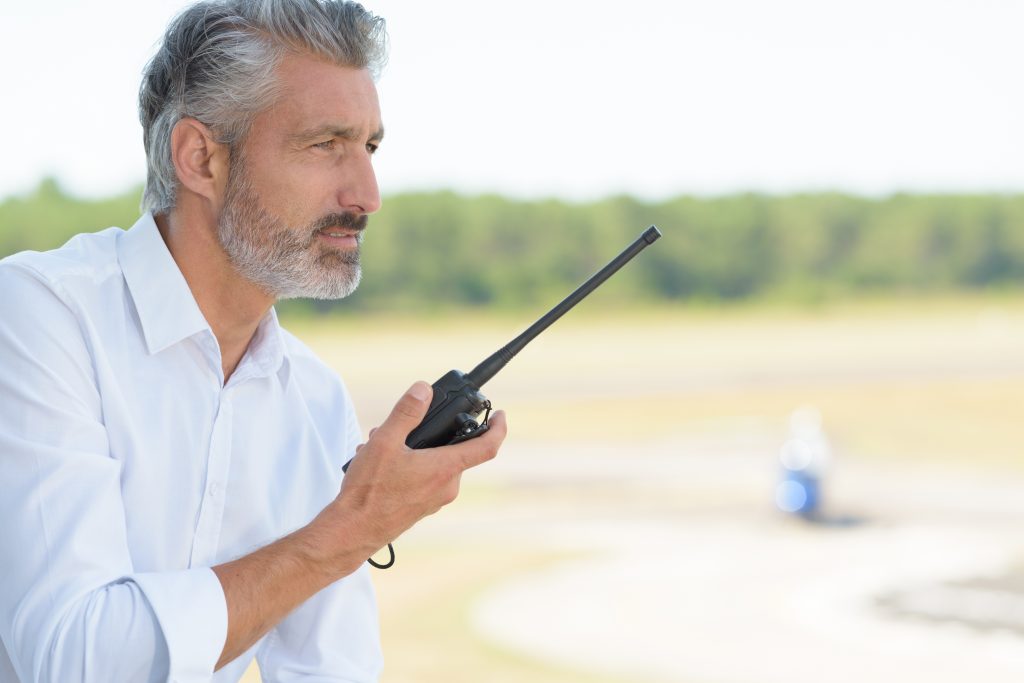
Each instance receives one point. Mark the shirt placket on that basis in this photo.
(211, 511)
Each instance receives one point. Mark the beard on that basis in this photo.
(287, 262)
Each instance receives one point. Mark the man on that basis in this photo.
(171, 494)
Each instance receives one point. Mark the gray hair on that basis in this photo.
(217, 62)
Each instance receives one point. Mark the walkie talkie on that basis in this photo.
(457, 402)
(457, 399)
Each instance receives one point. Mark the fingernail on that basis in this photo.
(421, 391)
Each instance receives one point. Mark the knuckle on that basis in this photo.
(407, 408)
(440, 478)
(451, 493)
(490, 448)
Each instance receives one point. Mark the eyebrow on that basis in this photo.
(334, 132)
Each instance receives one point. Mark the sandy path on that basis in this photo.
(692, 577)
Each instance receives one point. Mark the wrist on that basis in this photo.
(332, 546)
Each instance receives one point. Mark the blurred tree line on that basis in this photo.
(435, 250)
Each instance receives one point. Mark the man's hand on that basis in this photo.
(389, 487)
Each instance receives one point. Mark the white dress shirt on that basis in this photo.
(128, 468)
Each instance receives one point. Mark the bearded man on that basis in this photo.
(171, 488)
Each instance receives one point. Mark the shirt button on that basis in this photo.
(214, 490)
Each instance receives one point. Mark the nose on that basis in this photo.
(359, 191)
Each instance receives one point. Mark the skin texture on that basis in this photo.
(307, 156)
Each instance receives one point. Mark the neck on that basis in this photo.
(231, 304)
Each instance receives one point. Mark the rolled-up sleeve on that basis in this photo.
(72, 606)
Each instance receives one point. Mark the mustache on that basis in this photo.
(351, 221)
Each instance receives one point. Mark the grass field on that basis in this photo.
(608, 412)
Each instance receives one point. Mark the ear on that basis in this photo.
(199, 160)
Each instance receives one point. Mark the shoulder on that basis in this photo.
(304, 360)
(45, 316)
(85, 261)
(316, 379)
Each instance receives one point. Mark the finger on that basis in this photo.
(408, 412)
(348, 463)
(483, 448)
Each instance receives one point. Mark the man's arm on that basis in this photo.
(72, 605)
(388, 488)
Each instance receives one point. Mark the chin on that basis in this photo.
(336, 286)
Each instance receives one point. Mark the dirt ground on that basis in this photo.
(913, 573)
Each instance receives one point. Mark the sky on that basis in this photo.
(580, 100)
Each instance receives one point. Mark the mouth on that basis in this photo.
(338, 232)
(343, 231)
(337, 236)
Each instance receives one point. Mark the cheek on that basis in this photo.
(294, 195)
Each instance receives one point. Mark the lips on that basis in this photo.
(338, 232)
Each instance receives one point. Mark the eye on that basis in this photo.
(326, 145)
(371, 147)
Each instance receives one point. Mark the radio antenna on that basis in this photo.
(496, 361)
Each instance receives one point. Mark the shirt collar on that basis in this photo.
(169, 313)
(266, 353)
(167, 310)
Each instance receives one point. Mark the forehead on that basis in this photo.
(317, 93)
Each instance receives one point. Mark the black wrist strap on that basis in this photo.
(387, 564)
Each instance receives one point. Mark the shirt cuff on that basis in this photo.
(193, 616)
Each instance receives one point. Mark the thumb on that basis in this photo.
(408, 412)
